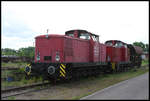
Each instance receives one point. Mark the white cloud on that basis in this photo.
(126, 21)
(16, 43)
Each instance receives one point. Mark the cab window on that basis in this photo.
(118, 44)
(109, 43)
(85, 36)
(95, 38)
(70, 34)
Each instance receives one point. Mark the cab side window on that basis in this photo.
(109, 43)
(85, 36)
(118, 44)
(95, 38)
(71, 34)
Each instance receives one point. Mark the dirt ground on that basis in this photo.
(75, 89)
(71, 90)
(62, 91)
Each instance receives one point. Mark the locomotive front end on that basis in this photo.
(48, 71)
(48, 61)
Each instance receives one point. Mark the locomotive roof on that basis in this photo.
(115, 41)
(49, 35)
(138, 49)
(135, 49)
(80, 30)
(58, 35)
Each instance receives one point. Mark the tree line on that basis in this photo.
(145, 47)
(29, 51)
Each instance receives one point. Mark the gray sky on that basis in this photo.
(23, 21)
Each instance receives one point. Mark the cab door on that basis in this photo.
(94, 49)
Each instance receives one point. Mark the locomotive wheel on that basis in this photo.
(125, 68)
(51, 70)
(139, 65)
(118, 69)
(131, 66)
(77, 75)
(122, 68)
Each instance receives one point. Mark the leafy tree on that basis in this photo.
(140, 44)
(145, 47)
(27, 52)
(8, 51)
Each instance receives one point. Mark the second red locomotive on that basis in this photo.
(79, 53)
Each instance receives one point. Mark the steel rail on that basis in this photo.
(29, 86)
(23, 87)
(9, 68)
(19, 89)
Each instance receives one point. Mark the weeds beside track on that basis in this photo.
(100, 79)
(21, 88)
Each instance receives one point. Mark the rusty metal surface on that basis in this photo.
(138, 49)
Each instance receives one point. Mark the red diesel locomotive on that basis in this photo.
(79, 53)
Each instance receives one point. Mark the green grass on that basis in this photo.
(23, 81)
(104, 81)
(10, 73)
(6, 73)
(144, 62)
(10, 64)
(85, 86)
(11, 98)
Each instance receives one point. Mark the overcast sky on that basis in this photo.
(23, 21)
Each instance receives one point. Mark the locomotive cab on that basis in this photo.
(82, 34)
(115, 43)
(94, 45)
(118, 54)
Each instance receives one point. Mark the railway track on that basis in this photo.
(145, 66)
(10, 68)
(14, 69)
(12, 78)
(20, 90)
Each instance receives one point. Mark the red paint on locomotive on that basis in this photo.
(138, 50)
(70, 48)
(117, 51)
(47, 48)
(76, 50)
(102, 52)
(79, 53)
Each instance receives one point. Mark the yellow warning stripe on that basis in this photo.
(62, 73)
(28, 65)
(29, 71)
(63, 66)
(62, 69)
(113, 65)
